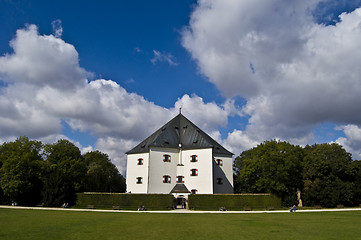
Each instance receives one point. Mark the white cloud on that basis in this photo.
(42, 61)
(163, 57)
(352, 140)
(37, 100)
(57, 28)
(104, 108)
(116, 149)
(293, 72)
(238, 141)
(202, 114)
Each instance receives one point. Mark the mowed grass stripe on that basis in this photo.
(36, 224)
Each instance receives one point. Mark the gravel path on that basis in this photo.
(181, 210)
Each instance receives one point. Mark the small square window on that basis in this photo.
(194, 172)
(166, 179)
(194, 191)
(166, 158)
(139, 180)
(194, 158)
(219, 162)
(140, 161)
(180, 179)
(219, 180)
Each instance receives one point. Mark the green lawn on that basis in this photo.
(40, 224)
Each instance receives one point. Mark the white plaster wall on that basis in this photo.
(226, 172)
(158, 168)
(134, 171)
(204, 181)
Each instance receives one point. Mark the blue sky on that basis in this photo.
(105, 74)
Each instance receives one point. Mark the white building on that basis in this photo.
(179, 158)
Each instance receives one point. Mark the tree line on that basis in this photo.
(32, 173)
(321, 174)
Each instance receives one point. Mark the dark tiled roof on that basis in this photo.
(180, 188)
(177, 131)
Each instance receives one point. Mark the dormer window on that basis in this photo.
(194, 172)
(194, 158)
(139, 180)
(219, 162)
(166, 158)
(140, 161)
(166, 179)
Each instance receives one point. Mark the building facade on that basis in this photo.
(179, 158)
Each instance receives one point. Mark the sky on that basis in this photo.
(106, 74)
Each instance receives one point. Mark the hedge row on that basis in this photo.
(124, 201)
(165, 201)
(233, 201)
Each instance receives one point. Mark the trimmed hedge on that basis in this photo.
(165, 201)
(233, 201)
(124, 201)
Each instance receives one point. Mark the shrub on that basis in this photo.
(233, 201)
(125, 201)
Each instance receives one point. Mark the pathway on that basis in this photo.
(181, 210)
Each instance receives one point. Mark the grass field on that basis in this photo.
(40, 224)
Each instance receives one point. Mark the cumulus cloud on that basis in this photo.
(46, 87)
(202, 114)
(238, 141)
(352, 140)
(163, 57)
(294, 72)
(105, 108)
(42, 60)
(116, 149)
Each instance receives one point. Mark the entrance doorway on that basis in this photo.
(180, 202)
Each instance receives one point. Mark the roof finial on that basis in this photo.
(180, 110)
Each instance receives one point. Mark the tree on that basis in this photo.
(21, 170)
(356, 166)
(65, 173)
(102, 174)
(271, 167)
(328, 176)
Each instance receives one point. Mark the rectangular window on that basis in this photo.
(166, 158)
(180, 179)
(139, 180)
(219, 180)
(166, 179)
(140, 161)
(194, 158)
(219, 162)
(194, 191)
(194, 172)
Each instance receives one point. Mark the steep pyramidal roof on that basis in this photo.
(180, 188)
(178, 131)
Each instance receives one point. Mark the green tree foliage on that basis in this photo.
(31, 173)
(328, 176)
(271, 167)
(65, 173)
(21, 170)
(325, 173)
(102, 174)
(356, 166)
